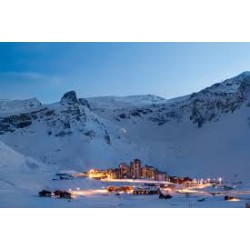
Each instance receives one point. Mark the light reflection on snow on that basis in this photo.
(89, 192)
(198, 194)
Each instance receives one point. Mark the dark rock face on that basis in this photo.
(23, 120)
(107, 139)
(85, 103)
(207, 106)
(244, 90)
(63, 133)
(134, 112)
(13, 122)
(123, 116)
(91, 134)
(69, 98)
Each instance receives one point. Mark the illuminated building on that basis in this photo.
(148, 172)
(124, 171)
(113, 174)
(160, 176)
(135, 169)
(97, 174)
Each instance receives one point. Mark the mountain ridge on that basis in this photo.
(194, 134)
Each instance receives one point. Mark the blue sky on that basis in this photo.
(47, 70)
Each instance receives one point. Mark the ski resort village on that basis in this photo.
(142, 184)
(133, 151)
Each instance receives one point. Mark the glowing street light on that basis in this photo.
(220, 180)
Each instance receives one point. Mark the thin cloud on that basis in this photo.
(29, 78)
(25, 85)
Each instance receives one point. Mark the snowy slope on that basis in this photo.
(19, 172)
(115, 101)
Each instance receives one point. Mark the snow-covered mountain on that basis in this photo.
(201, 107)
(15, 106)
(203, 134)
(114, 102)
(67, 134)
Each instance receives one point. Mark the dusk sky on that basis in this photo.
(47, 70)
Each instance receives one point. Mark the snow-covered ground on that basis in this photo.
(92, 194)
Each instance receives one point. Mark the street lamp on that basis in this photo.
(220, 180)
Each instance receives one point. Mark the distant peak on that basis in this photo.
(241, 77)
(34, 100)
(245, 74)
(69, 98)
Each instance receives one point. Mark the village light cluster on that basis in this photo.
(146, 180)
(136, 172)
(133, 171)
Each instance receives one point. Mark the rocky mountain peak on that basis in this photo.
(85, 103)
(69, 98)
(243, 83)
(244, 75)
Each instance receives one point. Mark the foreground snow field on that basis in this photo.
(93, 194)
